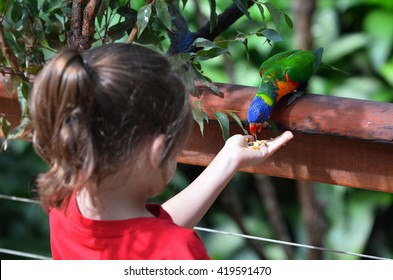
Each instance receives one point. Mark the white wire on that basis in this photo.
(287, 243)
(26, 200)
(20, 199)
(23, 254)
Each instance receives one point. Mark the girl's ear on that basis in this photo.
(157, 151)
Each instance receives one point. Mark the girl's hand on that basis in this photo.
(188, 207)
(236, 148)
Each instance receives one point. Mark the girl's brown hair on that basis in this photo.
(91, 112)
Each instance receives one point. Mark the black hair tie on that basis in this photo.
(87, 67)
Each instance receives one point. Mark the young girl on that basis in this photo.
(110, 123)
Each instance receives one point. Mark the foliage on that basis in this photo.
(36, 29)
(355, 36)
(361, 45)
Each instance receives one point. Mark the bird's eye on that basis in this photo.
(260, 116)
(261, 72)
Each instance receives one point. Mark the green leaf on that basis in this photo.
(288, 21)
(182, 64)
(205, 80)
(272, 35)
(213, 14)
(199, 115)
(153, 37)
(224, 124)
(180, 59)
(184, 3)
(203, 43)
(163, 13)
(118, 30)
(213, 87)
(238, 121)
(23, 91)
(275, 13)
(198, 105)
(102, 10)
(143, 18)
(55, 5)
(243, 7)
(209, 49)
(209, 54)
(244, 42)
(4, 146)
(261, 10)
(5, 126)
(20, 130)
(223, 42)
(137, 4)
(16, 11)
(123, 2)
(126, 12)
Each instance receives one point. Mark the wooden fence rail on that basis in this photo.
(337, 140)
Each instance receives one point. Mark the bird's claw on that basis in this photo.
(294, 96)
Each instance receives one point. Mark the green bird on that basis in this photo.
(282, 74)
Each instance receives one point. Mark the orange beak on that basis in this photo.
(255, 127)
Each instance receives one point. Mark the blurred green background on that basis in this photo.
(357, 36)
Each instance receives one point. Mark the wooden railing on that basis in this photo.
(337, 140)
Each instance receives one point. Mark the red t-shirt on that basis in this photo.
(76, 237)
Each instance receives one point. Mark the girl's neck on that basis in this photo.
(109, 207)
(119, 196)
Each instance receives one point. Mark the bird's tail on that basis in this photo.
(318, 62)
(318, 58)
(328, 66)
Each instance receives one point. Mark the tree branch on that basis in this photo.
(182, 38)
(224, 21)
(303, 11)
(7, 52)
(10, 55)
(75, 33)
(82, 29)
(268, 196)
(234, 209)
(312, 210)
(313, 217)
(88, 28)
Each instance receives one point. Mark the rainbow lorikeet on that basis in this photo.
(282, 74)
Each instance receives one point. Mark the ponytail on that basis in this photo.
(60, 106)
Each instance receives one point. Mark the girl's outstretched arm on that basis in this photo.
(189, 206)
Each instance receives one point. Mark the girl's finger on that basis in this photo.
(279, 142)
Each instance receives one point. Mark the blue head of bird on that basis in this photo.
(258, 112)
